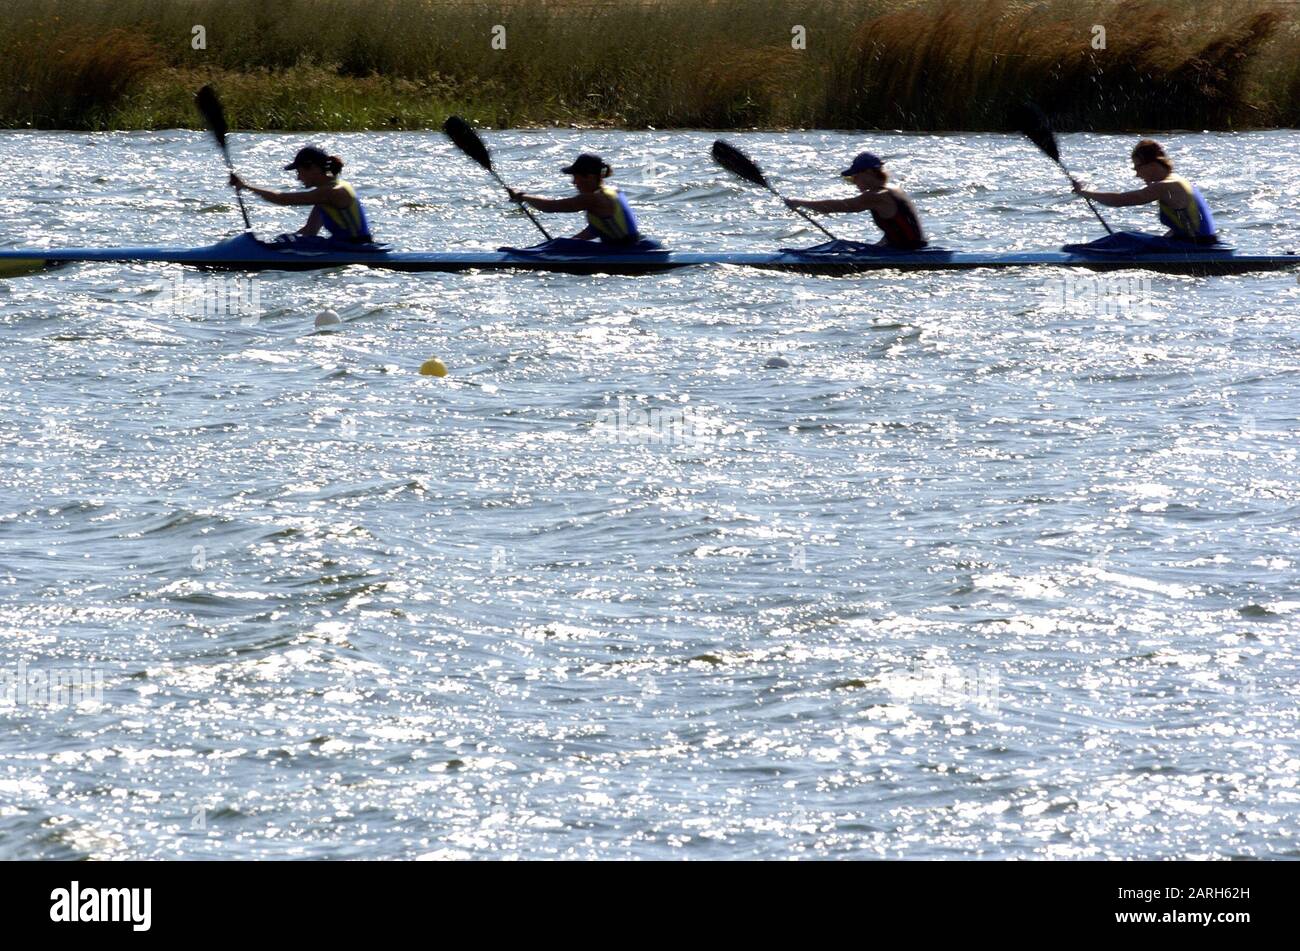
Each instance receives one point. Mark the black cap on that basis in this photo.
(586, 164)
(309, 156)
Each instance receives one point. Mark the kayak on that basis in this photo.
(247, 253)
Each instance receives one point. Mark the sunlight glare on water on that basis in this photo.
(1002, 564)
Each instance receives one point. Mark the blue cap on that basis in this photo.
(862, 163)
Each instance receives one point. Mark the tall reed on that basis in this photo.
(910, 64)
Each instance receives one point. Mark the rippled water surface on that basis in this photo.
(1000, 565)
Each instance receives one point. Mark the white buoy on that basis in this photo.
(327, 318)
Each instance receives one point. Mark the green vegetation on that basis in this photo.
(924, 64)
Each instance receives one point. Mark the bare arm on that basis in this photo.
(1141, 196)
(836, 205)
(313, 224)
(572, 203)
(317, 196)
(325, 195)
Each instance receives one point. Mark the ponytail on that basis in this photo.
(333, 165)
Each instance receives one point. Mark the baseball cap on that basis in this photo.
(586, 164)
(308, 156)
(864, 161)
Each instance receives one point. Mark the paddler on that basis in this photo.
(1182, 207)
(334, 202)
(891, 209)
(609, 216)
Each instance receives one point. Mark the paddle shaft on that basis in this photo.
(239, 192)
(1033, 124)
(742, 166)
(799, 211)
(1091, 206)
(214, 117)
(531, 217)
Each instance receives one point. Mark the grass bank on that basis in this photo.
(923, 64)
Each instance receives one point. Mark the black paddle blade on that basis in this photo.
(737, 163)
(467, 140)
(1031, 122)
(208, 103)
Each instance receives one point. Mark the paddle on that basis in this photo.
(739, 164)
(468, 141)
(1030, 121)
(208, 103)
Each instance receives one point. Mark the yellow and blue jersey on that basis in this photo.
(619, 228)
(346, 224)
(1194, 221)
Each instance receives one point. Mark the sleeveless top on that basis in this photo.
(1193, 222)
(620, 227)
(903, 229)
(346, 224)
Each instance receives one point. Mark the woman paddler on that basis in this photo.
(334, 202)
(891, 209)
(609, 217)
(1182, 207)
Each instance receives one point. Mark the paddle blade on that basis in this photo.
(215, 116)
(738, 163)
(467, 140)
(1032, 123)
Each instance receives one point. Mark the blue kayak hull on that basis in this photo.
(246, 253)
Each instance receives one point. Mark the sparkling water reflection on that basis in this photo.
(1000, 565)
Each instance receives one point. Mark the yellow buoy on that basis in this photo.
(433, 367)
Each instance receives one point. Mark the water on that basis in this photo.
(1002, 565)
